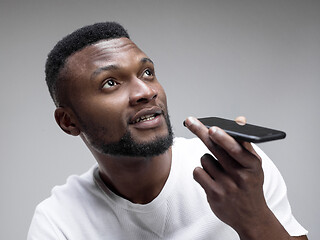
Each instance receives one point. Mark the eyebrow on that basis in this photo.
(114, 67)
(103, 69)
(144, 60)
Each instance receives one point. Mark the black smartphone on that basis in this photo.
(247, 132)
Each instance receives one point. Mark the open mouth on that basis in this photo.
(146, 118)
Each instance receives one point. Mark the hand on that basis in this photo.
(233, 181)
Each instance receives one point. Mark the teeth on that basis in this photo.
(145, 118)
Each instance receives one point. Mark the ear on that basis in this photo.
(66, 121)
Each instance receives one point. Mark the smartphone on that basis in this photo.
(247, 132)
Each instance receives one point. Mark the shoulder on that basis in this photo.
(63, 207)
(275, 192)
(67, 195)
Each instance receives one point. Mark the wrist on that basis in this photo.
(265, 227)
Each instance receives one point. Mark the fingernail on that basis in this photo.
(189, 121)
(213, 129)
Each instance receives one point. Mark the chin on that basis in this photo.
(131, 147)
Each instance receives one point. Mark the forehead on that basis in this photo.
(114, 51)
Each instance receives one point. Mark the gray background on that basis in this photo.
(226, 58)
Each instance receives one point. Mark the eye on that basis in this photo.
(147, 73)
(110, 83)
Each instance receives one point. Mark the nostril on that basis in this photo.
(156, 95)
(142, 100)
(146, 99)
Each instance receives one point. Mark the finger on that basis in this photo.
(231, 146)
(212, 166)
(250, 148)
(201, 131)
(210, 186)
(195, 126)
(241, 120)
(225, 161)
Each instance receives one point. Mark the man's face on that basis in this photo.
(120, 106)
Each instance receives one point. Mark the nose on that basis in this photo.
(141, 92)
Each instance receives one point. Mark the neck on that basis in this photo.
(138, 180)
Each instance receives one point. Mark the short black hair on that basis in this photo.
(74, 42)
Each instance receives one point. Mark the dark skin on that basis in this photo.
(110, 85)
(235, 183)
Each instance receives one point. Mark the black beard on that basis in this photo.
(128, 147)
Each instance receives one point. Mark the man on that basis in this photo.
(106, 92)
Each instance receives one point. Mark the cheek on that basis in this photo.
(162, 96)
(105, 116)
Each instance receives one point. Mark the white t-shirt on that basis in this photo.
(84, 208)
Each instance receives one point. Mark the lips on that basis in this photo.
(146, 115)
(145, 118)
